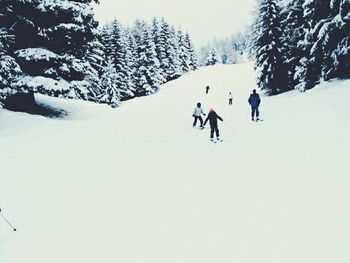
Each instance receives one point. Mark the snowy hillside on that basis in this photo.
(139, 184)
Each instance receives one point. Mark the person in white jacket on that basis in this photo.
(197, 115)
(230, 98)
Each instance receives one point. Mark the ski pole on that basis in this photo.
(8, 222)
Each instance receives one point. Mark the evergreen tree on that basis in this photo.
(106, 39)
(169, 61)
(293, 33)
(9, 69)
(174, 56)
(272, 73)
(316, 36)
(212, 58)
(188, 56)
(132, 58)
(147, 78)
(97, 58)
(335, 40)
(225, 59)
(159, 48)
(230, 50)
(52, 40)
(120, 56)
(109, 80)
(193, 63)
(184, 52)
(309, 72)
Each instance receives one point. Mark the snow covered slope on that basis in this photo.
(139, 184)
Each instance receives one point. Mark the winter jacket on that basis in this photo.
(197, 112)
(254, 100)
(213, 119)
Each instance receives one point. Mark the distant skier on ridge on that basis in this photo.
(230, 98)
(197, 115)
(207, 89)
(213, 121)
(254, 101)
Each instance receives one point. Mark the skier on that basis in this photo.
(197, 115)
(230, 98)
(213, 121)
(207, 89)
(254, 101)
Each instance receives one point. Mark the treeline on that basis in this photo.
(232, 50)
(56, 48)
(299, 44)
(146, 56)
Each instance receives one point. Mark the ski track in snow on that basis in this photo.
(139, 184)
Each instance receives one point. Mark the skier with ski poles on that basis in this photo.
(197, 115)
(213, 121)
(254, 101)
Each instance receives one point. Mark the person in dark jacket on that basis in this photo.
(213, 121)
(207, 89)
(254, 101)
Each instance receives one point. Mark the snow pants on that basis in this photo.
(197, 118)
(255, 112)
(229, 101)
(214, 129)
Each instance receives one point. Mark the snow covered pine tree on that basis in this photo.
(147, 76)
(119, 52)
(212, 58)
(9, 69)
(272, 72)
(52, 39)
(317, 41)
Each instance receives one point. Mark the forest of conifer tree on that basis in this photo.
(298, 44)
(57, 48)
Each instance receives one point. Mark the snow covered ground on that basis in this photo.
(139, 184)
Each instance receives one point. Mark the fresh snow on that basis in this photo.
(36, 54)
(139, 184)
(36, 83)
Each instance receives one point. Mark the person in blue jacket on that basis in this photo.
(213, 121)
(254, 101)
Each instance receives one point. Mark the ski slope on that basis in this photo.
(139, 184)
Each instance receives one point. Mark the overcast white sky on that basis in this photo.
(203, 19)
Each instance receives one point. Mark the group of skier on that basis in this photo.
(212, 118)
(253, 100)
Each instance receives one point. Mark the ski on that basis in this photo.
(259, 120)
